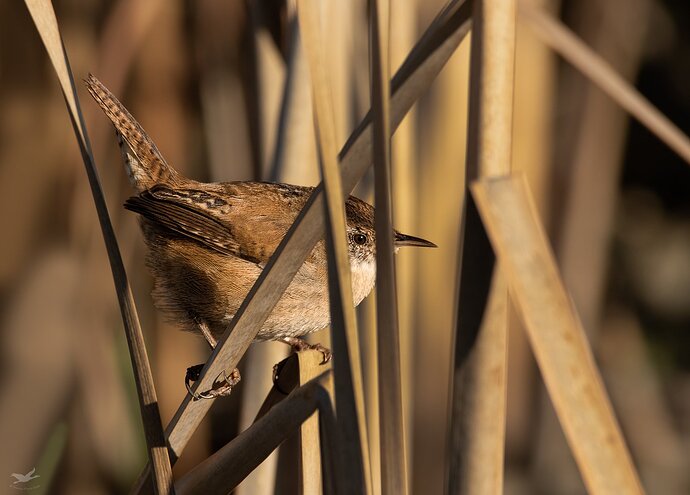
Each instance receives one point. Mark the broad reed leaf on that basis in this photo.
(556, 335)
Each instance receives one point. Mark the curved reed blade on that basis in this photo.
(44, 18)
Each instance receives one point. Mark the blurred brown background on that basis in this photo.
(222, 87)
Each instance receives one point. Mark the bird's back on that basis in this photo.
(193, 282)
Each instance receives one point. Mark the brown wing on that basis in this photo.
(194, 214)
(261, 213)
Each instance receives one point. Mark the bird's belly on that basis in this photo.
(301, 310)
(214, 294)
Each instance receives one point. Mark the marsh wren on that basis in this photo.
(208, 242)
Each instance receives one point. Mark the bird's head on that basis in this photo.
(361, 235)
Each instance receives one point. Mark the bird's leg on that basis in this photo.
(206, 332)
(220, 388)
(298, 345)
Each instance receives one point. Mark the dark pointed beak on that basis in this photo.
(409, 240)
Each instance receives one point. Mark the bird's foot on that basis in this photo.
(222, 386)
(298, 345)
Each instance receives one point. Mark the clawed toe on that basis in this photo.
(325, 352)
(222, 386)
(298, 345)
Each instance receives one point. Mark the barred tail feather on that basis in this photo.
(144, 163)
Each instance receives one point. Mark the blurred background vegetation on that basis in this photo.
(212, 81)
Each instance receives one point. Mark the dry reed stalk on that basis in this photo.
(477, 460)
(337, 25)
(391, 431)
(477, 455)
(288, 379)
(472, 313)
(44, 18)
(111, 432)
(294, 157)
(271, 77)
(345, 340)
(416, 74)
(360, 89)
(366, 314)
(219, 29)
(590, 154)
(441, 179)
(224, 470)
(556, 334)
(533, 138)
(337, 28)
(404, 164)
(256, 380)
(310, 366)
(568, 45)
(442, 154)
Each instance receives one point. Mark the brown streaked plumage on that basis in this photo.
(208, 242)
(207, 247)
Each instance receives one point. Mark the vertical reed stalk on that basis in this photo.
(404, 186)
(310, 367)
(393, 459)
(344, 337)
(477, 460)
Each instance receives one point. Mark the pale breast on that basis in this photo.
(304, 307)
(195, 283)
(363, 280)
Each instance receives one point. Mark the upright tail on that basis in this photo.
(144, 163)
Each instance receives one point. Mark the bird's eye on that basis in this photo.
(360, 239)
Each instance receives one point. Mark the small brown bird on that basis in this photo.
(208, 243)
